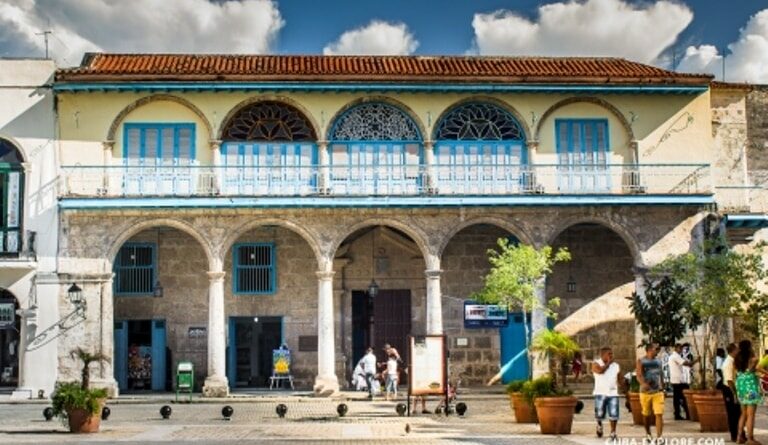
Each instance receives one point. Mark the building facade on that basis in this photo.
(213, 208)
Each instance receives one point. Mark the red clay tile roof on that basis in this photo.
(255, 68)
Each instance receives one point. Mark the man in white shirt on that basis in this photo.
(368, 363)
(606, 374)
(728, 387)
(678, 377)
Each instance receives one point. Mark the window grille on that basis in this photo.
(254, 265)
(375, 122)
(136, 269)
(479, 122)
(269, 121)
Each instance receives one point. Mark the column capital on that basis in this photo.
(216, 275)
(532, 143)
(433, 273)
(215, 144)
(322, 143)
(27, 166)
(428, 143)
(108, 145)
(325, 275)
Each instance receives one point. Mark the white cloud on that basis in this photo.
(584, 28)
(748, 58)
(245, 26)
(378, 38)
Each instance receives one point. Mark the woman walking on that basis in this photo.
(747, 390)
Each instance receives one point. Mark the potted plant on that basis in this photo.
(523, 408)
(665, 314)
(555, 409)
(722, 284)
(77, 403)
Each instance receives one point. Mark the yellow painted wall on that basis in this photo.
(669, 128)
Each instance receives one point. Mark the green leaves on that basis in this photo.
(69, 395)
(664, 312)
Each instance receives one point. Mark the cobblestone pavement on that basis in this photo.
(488, 421)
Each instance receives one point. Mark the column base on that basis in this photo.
(216, 386)
(21, 394)
(326, 386)
(109, 384)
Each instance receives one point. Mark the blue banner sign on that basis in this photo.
(478, 315)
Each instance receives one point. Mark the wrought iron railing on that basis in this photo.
(386, 180)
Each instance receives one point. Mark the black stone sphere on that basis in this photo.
(48, 413)
(579, 406)
(400, 408)
(166, 411)
(281, 409)
(342, 409)
(227, 412)
(461, 408)
(105, 412)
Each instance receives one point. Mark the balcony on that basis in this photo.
(386, 181)
(742, 199)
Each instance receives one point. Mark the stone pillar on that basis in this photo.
(324, 170)
(540, 365)
(108, 148)
(430, 176)
(216, 384)
(434, 302)
(217, 173)
(530, 183)
(326, 383)
(107, 373)
(640, 289)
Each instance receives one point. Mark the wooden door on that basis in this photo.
(391, 321)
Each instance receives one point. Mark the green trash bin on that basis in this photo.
(185, 379)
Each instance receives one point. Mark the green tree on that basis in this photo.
(559, 350)
(664, 311)
(517, 273)
(722, 284)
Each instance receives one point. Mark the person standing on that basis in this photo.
(606, 392)
(368, 363)
(728, 388)
(392, 377)
(651, 381)
(748, 391)
(678, 377)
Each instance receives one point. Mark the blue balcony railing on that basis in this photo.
(386, 180)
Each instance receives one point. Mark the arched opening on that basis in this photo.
(592, 288)
(390, 260)
(160, 289)
(268, 147)
(10, 329)
(479, 345)
(375, 149)
(11, 199)
(480, 148)
(270, 299)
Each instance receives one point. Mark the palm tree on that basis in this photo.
(87, 358)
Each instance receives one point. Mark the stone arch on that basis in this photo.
(12, 142)
(487, 99)
(308, 236)
(416, 235)
(214, 263)
(156, 98)
(269, 98)
(501, 223)
(372, 99)
(629, 240)
(589, 99)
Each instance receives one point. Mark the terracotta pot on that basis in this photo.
(82, 421)
(524, 412)
(637, 410)
(710, 407)
(555, 414)
(692, 413)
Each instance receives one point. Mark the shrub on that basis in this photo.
(70, 395)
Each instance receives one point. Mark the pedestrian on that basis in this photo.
(576, 365)
(649, 375)
(392, 377)
(719, 359)
(388, 350)
(606, 392)
(747, 390)
(687, 355)
(368, 363)
(728, 388)
(678, 377)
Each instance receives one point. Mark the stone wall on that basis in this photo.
(729, 130)
(757, 133)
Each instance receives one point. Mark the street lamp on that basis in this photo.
(75, 295)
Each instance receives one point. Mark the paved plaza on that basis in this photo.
(489, 420)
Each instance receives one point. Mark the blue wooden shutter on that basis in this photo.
(120, 351)
(232, 354)
(158, 355)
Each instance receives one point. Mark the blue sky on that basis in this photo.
(702, 34)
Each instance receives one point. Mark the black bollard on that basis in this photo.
(342, 409)
(48, 413)
(400, 408)
(105, 412)
(579, 406)
(461, 408)
(166, 411)
(281, 409)
(227, 412)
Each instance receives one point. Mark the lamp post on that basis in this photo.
(75, 295)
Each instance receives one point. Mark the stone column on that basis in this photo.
(434, 302)
(324, 170)
(108, 149)
(640, 289)
(430, 176)
(530, 183)
(539, 364)
(216, 384)
(326, 383)
(107, 314)
(217, 173)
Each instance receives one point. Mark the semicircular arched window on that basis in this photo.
(11, 198)
(375, 149)
(480, 149)
(268, 148)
